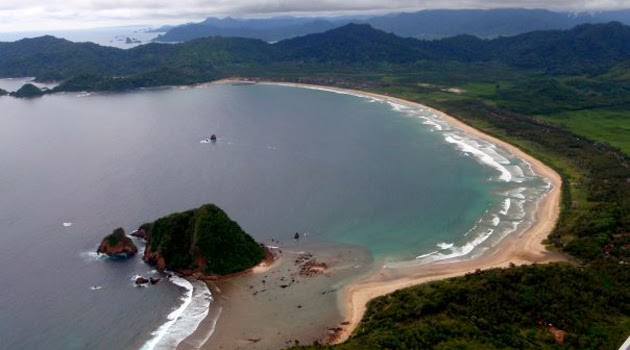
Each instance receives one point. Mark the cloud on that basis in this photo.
(54, 14)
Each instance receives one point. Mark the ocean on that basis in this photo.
(395, 181)
(106, 36)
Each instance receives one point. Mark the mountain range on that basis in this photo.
(585, 49)
(428, 24)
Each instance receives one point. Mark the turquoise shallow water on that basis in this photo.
(333, 167)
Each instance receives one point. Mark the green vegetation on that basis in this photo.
(584, 50)
(470, 312)
(28, 91)
(605, 125)
(503, 309)
(524, 107)
(117, 244)
(3, 92)
(203, 239)
(561, 96)
(116, 237)
(512, 308)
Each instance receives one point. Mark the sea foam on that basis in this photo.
(455, 251)
(444, 246)
(184, 320)
(92, 256)
(505, 206)
(480, 155)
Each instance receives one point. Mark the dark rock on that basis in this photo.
(117, 244)
(142, 231)
(141, 280)
(154, 280)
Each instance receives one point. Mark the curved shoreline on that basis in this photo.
(525, 248)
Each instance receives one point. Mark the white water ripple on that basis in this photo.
(480, 155)
(183, 321)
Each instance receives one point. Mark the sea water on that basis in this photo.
(335, 168)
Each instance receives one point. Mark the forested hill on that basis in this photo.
(585, 49)
(272, 29)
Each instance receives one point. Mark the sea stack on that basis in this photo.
(117, 244)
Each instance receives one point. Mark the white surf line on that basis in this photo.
(482, 150)
(183, 321)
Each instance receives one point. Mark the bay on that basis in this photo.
(335, 168)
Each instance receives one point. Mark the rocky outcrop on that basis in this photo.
(142, 231)
(117, 244)
(309, 266)
(141, 281)
(154, 258)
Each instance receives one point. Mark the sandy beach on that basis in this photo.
(524, 248)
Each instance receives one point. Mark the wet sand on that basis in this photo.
(276, 305)
(518, 249)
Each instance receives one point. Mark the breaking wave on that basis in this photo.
(183, 321)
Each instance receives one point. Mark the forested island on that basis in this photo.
(561, 96)
(202, 241)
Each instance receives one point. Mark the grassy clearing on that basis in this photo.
(611, 126)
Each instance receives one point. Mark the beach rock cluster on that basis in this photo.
(309, 266)
(117, 244)
(312, 268)
(305, 265)
(144, 281)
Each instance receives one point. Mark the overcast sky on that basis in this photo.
(20, 15)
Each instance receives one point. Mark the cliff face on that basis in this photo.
(117, 244)
(201, 241)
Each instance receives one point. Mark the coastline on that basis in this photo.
(526, 248)
(291, 303)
